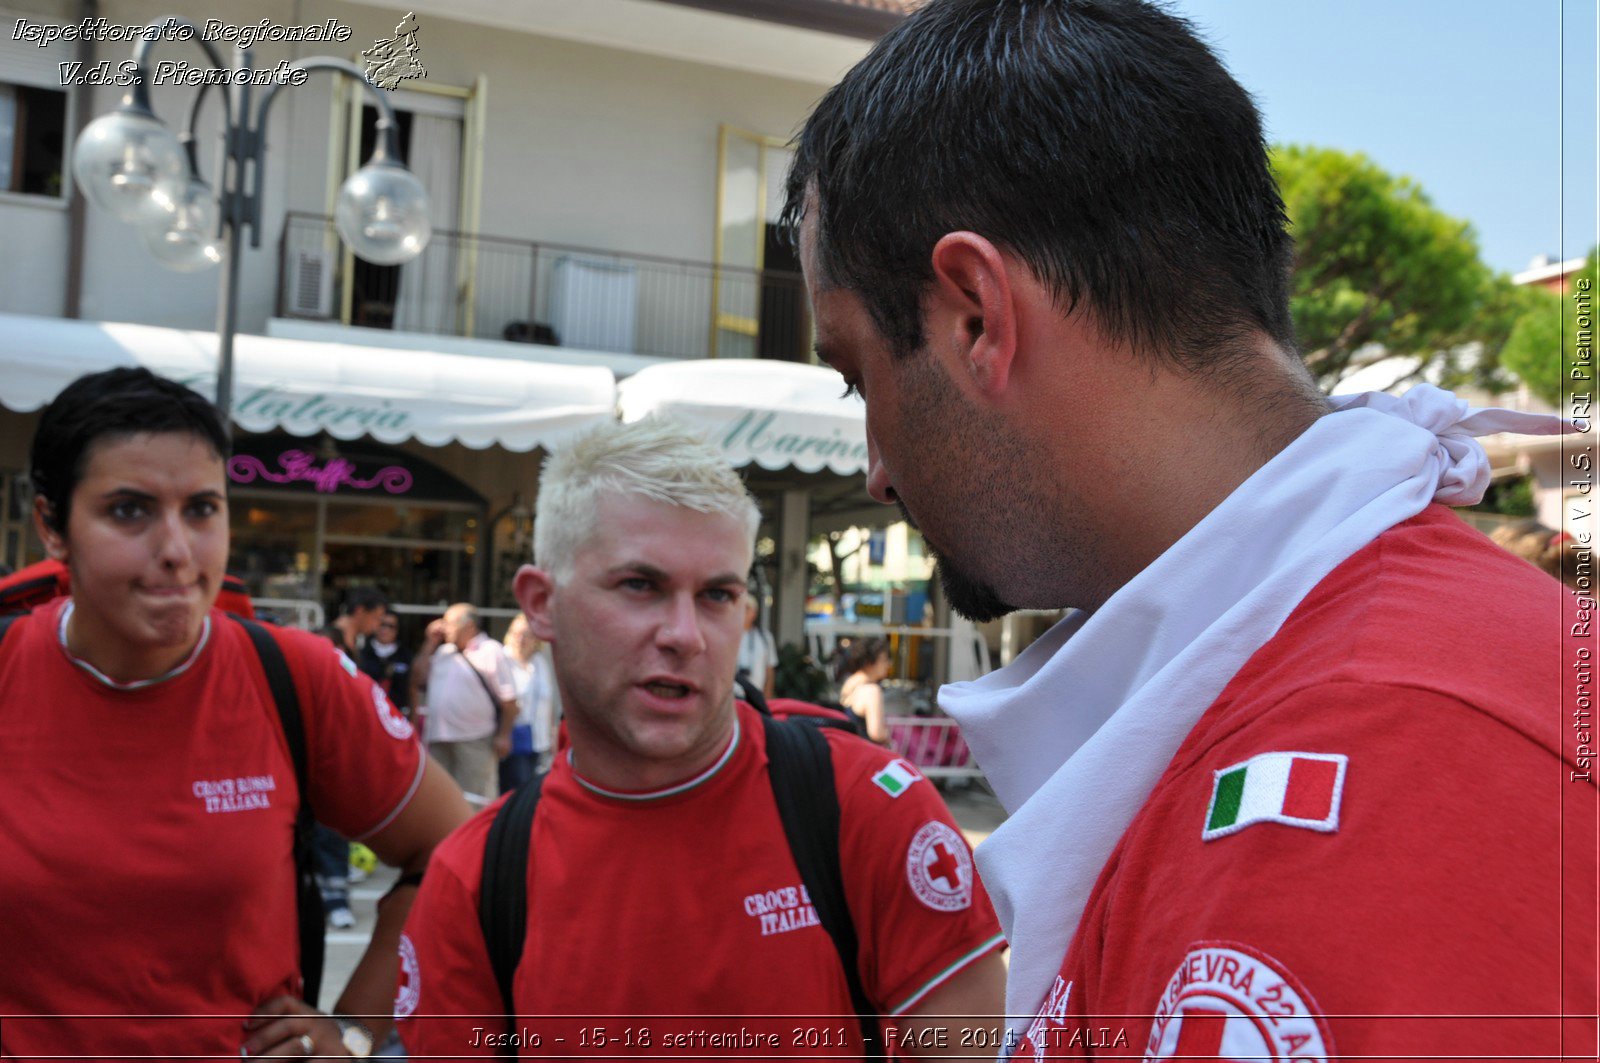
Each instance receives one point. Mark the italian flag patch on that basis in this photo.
(896, 776)
(1296, 789)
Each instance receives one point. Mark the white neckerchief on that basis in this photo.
(1075, 732)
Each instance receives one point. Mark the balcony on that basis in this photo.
(489, 287)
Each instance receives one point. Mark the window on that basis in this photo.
(33, 124)
(758, 297)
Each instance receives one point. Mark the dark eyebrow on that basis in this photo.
(133, 493)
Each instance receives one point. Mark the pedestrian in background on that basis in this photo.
(470, 699)
(533, 736)
(387, 660)
(758, 652)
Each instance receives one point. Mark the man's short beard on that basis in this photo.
(968, 595)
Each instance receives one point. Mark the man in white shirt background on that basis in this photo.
(758, 655)
(470, 699)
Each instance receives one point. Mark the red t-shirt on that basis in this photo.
(1434, 889)
(145, 836)
(675, 921)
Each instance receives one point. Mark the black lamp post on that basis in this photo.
(129, 164)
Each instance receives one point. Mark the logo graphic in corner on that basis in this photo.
(939, 868)
(397, 725)
(1295, 789)
(394, 59)
(1228, 1001)
(896, 777)
(410, 991)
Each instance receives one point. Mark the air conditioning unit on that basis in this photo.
(310, 284)
(593, 303)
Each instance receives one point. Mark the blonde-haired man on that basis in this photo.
(661, 891)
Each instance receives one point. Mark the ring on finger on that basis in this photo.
(307, 1045)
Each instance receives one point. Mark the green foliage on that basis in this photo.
(1511, 498)
(1542, 349)
(798, 676)
(1377, 263)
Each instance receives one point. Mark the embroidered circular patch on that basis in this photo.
(397, 725)
(410, 991)
(1228, 1001)
(940, 868)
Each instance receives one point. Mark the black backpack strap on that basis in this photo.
(503, 893)
(801, 768)
(284, 696)
(751, 694)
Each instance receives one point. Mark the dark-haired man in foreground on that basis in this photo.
(1276, 792)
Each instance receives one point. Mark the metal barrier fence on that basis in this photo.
(302, 613)
(934, 744)
(488, 287)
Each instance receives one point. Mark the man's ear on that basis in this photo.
(535, 591)
(55, 544)
(971, 309)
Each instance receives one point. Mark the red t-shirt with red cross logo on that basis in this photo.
(146, 870)
(675, 923)
(1379, 842)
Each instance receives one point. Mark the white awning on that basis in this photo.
(304, 387)
(775, 414)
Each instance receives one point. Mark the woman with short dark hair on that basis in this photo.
(148, 897)
(867, 665)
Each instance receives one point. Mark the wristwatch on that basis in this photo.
(357, 1038)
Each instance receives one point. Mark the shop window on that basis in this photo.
(273, 546)
(33, 125)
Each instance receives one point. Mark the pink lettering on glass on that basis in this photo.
(300, 466)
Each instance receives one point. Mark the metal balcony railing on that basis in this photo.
(488, 287)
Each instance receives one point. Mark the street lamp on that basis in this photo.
(129, 164)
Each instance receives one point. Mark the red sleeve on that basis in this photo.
(364, 760)
(1435, 918)
(920, 911)
(448, 1004)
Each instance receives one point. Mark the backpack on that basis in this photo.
(801, 770)
(307, 896)
(28, 588)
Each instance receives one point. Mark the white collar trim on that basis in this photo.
(136, 684)
(675, 788)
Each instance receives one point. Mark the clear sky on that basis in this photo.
(1465, 97)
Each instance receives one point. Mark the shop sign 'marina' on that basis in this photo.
(753, 432)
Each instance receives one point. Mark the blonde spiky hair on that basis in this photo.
(655, 458)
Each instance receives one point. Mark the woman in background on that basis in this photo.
(867, 666)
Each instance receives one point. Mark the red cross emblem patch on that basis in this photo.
(939, 867)
(1227, 1001)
